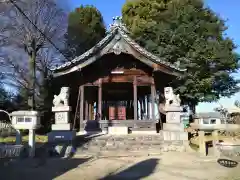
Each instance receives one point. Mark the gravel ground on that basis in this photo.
(168, 166)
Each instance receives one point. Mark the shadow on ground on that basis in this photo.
(81, 140)
(47, 165)
(29, 169)
(140, 170)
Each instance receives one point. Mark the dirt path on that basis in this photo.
(169, 166)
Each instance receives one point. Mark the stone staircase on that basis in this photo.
(147, 144)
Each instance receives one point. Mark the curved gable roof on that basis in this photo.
(116, 30)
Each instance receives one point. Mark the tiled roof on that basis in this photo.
(116, 28)
(209, 115)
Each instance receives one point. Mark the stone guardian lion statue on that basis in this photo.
(63, 98)
(171, 98)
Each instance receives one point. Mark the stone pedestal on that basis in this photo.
(173, 114)
(62, 129)
(61, 118)
(118, 130)
(174, 135)
(173, 129)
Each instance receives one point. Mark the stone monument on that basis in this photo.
(173, 129)
(62, 129)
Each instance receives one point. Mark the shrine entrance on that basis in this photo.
(117, 101)
(120, 103)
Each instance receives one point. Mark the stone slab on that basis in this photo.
(25, 113)
(55, 136)
(61, 127)
(173, 127)
(145, 132)
(173, 109)
(174, 135)
(26, 126)
(118, 130)
(61, 108)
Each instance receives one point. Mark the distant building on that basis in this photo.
(209, 118)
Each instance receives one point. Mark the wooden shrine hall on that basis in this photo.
(116, 82)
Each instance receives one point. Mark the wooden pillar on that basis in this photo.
(100, 98)
(144, 105)
(81, 108)
(86, 110)
(153, 101)
(148, 109)
(135, 100)
(140, 114)
(89, 110)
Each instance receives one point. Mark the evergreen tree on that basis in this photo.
(187, 32)
(85, 29)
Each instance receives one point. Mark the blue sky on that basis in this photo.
(228, 10)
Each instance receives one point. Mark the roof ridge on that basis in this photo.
(87, 53)
(118, 26)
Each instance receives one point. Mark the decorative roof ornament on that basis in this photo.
(117, 20)
(117, 23)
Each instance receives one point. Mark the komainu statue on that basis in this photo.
(170, 98)
(63, 97)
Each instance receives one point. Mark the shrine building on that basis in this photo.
(117, 80)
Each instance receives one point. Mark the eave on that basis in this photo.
(117, 41)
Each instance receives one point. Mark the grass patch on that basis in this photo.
(12, 139)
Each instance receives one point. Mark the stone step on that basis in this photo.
(140, 143)
(125, 137)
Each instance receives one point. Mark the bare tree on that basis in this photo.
(24, 38)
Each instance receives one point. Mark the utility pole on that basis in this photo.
(32, 62)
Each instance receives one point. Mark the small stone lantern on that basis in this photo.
(26, 120)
